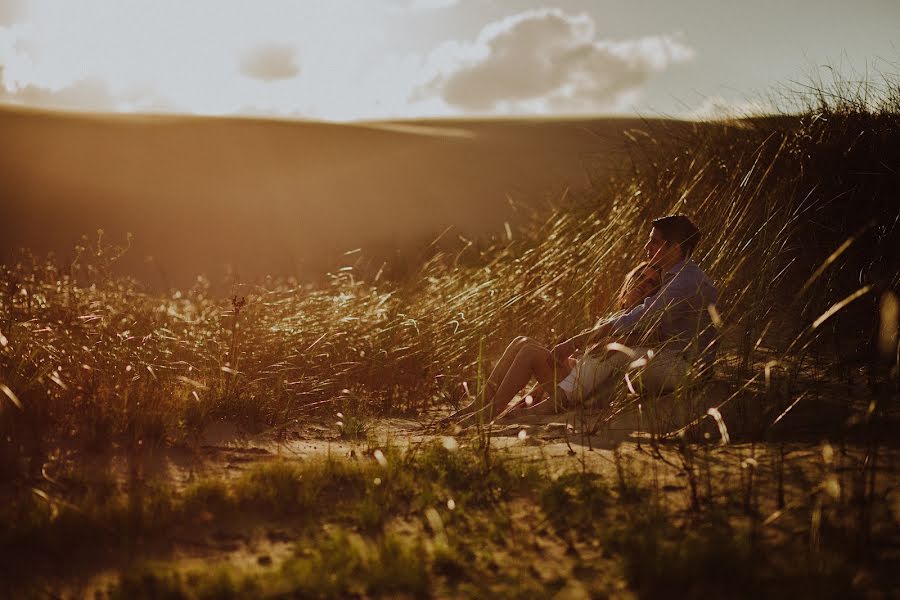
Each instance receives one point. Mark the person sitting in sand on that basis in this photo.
(526, 358)
(657, 339)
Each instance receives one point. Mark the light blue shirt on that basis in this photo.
(678, 316)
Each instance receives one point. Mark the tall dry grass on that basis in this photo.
(799, 213)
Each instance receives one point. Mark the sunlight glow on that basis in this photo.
(208, 57)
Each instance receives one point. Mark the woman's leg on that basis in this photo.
(506, 360)
(531, 361)
(538, 391)
(497, 374)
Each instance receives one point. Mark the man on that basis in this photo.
(653, 344)
(656, 342)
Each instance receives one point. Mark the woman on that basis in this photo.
(525, 358)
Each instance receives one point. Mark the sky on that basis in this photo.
(346, 60)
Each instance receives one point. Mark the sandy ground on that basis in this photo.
(557, 443)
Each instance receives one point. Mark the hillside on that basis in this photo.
(279, 197)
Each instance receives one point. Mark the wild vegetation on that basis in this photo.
(802, 230)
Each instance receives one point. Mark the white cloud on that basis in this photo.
(78, 94)
(315, 60)
(270, 62)
(418, 5)
(547, 60)
(203, 56)
(11, 11)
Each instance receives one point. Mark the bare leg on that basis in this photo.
(538, 391)
(498, 374)
(506, 361)
(531, 361)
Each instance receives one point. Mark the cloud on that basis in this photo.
(295, 56)
(547, 60)
(11, 11)
(418, 5)
(18, 55)
(24, 80)
(335, 61)
(270, 62)
(89, 93)
(81, 93)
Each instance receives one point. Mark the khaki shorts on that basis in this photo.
(655, 372)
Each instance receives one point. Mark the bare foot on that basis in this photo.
(462, 412)
(510, 412)
(481, 415)
(546, 407)
(513, 409)
(466, 413)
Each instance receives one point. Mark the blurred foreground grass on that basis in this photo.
(441, 519)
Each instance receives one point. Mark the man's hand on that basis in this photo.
(563, 350)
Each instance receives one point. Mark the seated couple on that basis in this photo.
(664, 326)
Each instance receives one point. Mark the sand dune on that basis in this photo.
(278, 197)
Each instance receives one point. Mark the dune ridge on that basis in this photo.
(263, 197)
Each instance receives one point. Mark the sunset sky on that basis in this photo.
(373, 59)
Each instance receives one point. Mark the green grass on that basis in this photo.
(497, 538)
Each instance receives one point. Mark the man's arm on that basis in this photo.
(674, 291)
(680, 288)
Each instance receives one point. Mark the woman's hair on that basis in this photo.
(629, 282)
(601, 302)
